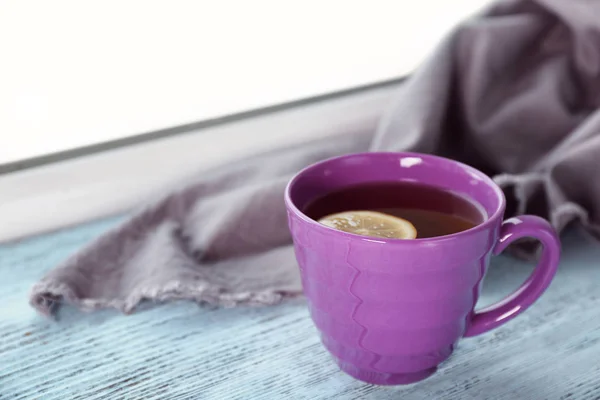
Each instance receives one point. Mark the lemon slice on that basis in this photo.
(371, 223)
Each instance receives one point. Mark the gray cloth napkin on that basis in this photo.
(514, 92)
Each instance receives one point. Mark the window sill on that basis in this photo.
(69, 192)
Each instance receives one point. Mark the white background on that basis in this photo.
(74, 73)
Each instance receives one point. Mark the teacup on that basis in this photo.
(390, 310)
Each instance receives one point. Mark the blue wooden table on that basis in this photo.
(182, 351)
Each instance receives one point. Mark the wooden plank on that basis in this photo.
(182, 351)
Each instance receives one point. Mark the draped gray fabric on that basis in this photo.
(514, 92)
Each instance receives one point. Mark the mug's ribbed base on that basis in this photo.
(380, 378)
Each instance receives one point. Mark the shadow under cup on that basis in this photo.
(390, 310)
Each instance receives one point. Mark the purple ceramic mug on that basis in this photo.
(391, 310)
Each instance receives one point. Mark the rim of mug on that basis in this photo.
(497, 214)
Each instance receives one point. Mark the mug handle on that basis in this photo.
(512, 229)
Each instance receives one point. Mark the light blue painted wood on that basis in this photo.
(181, 351)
